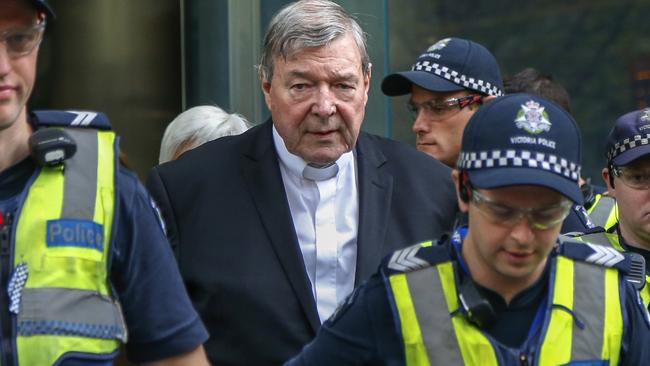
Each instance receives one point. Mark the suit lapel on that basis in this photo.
(262, 176)
(375, 192)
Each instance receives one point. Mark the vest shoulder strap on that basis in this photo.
(631, 265)
(596, 236)
(79, 119)
(415, 257)
(600, 212)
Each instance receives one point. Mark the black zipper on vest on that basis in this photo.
(5, 268)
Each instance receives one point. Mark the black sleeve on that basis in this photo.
(635, 348)
(158, 191)
(160, 318)
(360, 332)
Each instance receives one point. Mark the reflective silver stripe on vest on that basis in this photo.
(438, 332)
(81, 177)
(589, 308)
(433, 316)
(73, 312)
(596, 238)
(602, 210)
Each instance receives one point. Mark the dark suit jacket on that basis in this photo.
(228, 217)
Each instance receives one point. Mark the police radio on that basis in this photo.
(51, 146)
(477, 308)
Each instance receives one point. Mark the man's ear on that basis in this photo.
(266, 89)
(463, 205)
(366, 81)
(611, 191)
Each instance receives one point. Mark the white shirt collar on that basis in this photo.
(294, 163)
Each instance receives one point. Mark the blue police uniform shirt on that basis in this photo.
(363, 330)
(160, 318)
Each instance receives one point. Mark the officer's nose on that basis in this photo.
(420, 124)
(4, 60)
(522, 232)
(325, 103)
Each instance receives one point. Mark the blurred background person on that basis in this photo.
(531, 81)
(626, 225)
(597, 206)
(196, 126)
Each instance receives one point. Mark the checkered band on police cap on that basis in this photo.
(627, 144)
(521, 139)
(629, 139)
(450, 64)
(458, 78)
(519, 159)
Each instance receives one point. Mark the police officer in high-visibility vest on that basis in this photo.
(624, 214)
(84, 263)
(503, 290)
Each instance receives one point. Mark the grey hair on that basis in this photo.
(309, 23)
(197, 126)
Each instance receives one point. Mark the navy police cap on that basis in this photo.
(450, 64)
(521, 139)
(628, 139)
(43, 6)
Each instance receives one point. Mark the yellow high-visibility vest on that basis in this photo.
(60, 283)
(610, 239)
(435, 332)
(603, 211)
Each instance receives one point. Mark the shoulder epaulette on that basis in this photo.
(416, 257)
(87, 119)
(632, 265)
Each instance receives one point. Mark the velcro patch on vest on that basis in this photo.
(75, 233)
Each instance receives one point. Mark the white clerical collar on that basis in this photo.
(295, 164)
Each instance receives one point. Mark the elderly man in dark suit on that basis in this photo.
(275, 227)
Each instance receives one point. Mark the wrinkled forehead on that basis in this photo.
(341, 51)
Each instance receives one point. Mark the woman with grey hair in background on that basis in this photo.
(196, 126)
